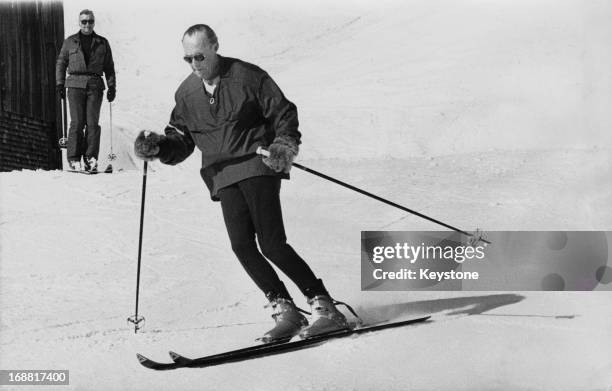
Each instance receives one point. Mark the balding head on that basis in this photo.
(200, 46)
(202, 29)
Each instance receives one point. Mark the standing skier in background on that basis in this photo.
(86, 56)
(228, 108)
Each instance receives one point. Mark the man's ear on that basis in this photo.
(216, 47)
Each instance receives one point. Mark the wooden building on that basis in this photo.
(31, 36)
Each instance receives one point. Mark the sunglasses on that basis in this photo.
(197, 57)
(87, 21)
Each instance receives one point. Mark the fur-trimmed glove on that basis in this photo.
(146, 145)
(282, 152)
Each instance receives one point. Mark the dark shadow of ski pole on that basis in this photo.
(473, 305)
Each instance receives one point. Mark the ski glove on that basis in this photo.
(111, 93)
(146, 145)
(61, 91)
(283, 151)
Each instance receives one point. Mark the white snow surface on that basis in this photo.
(482, 114)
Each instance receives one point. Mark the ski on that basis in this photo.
(264, 350)
(88, 172)
(81, 172)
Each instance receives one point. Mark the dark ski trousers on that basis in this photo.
(85, 106)
(251, 208)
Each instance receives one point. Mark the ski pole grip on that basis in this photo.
(263, 152)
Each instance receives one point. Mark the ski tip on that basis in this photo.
(174, 356)
(147, 363)
(178, 359)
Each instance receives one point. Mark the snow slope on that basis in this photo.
(69, 263)
(482, 114)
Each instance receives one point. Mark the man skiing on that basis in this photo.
(228, 108)
(86, 56)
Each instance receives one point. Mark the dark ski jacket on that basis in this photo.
(72, 59)
(246, 111)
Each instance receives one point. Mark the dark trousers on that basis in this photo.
(251, 208)
(85, 106)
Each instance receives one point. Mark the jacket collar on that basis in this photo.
(94, 37)
(224, 66)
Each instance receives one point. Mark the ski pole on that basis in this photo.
(137, 319)
(111, 155)
(264, 152)
(63, 142)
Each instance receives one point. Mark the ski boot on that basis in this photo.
(91, 164)
(325, 317)
(289, 321)
(74, 165)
